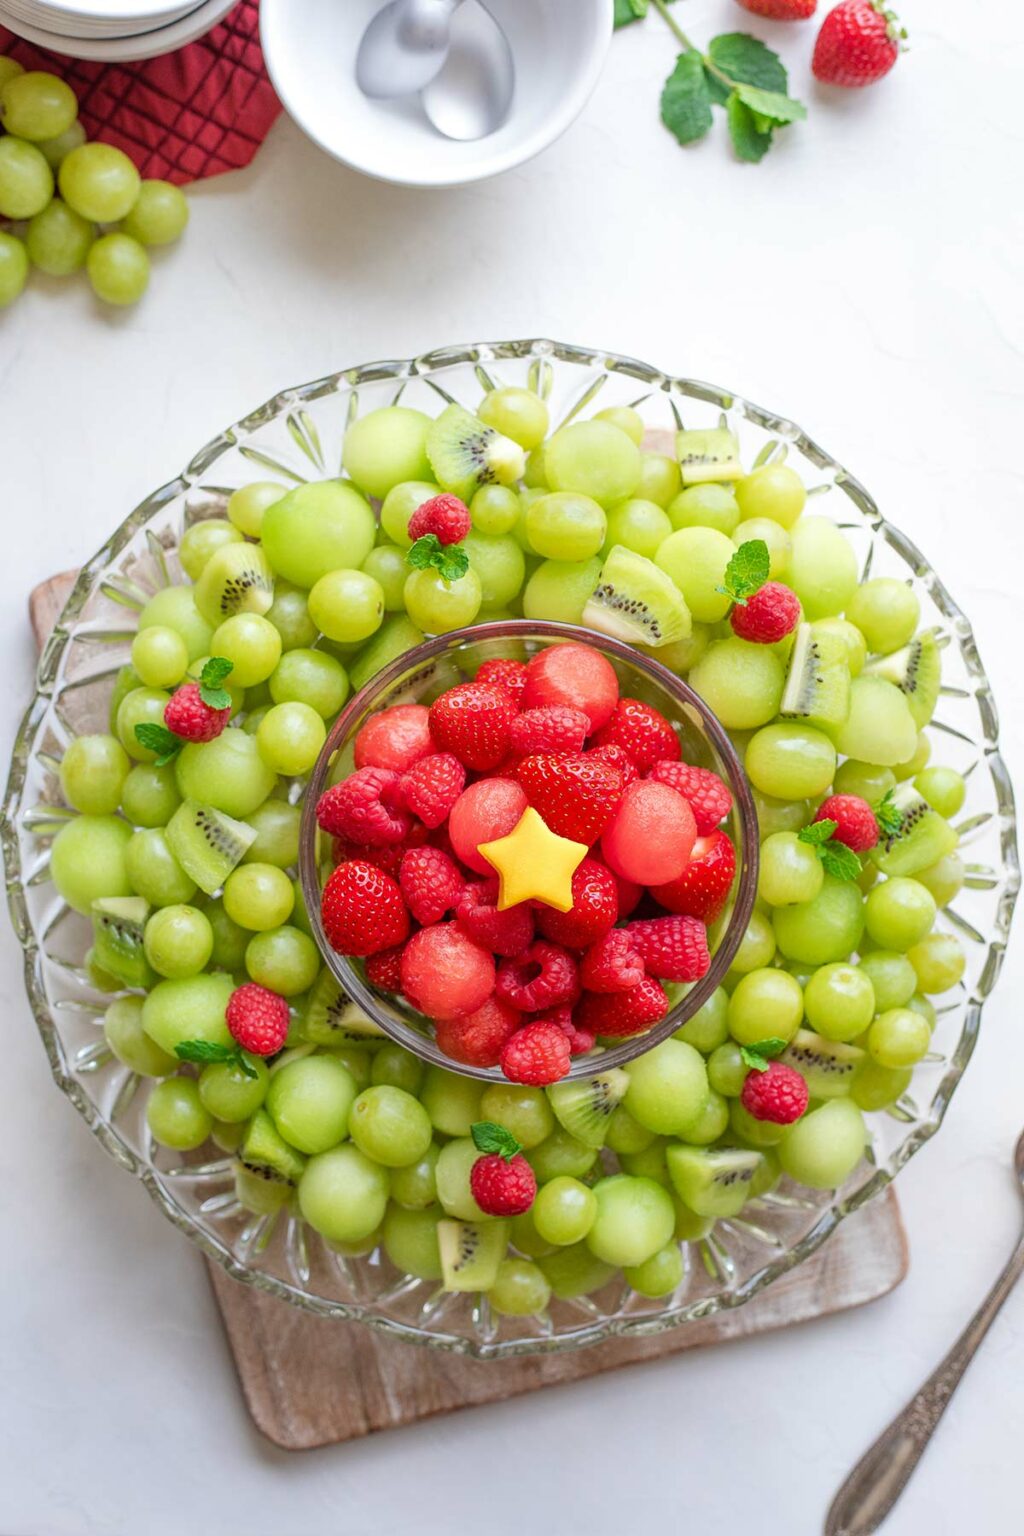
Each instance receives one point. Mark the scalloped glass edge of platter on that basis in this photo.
(298, 436)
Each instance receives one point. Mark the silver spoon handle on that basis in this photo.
(884, 1470)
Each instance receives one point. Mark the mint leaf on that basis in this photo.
(204, 1051)
(627, 11)
(888, 815)
(745, 61)
(488, 1137)
(210, 679)
(757, 1056)
(818, 832)
(750, 141)
(685, 102)
(158, 739)
(747, 571)
(839, 861)
(450, 559)
(771, 106)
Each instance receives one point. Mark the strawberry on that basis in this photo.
(504, 673)
(674, 948)
(595, 907)
(613, 964)
(384, 969)
(543, 977)
(778, 1094)
(574, 793)
(362, 910)
(365, 808)
(431, 787)
(855, 821)
(621, 1014)
(472, 721)
(188, 716)
(258, 1019)
(619, 759)
(641, 731)
(709, 797)
(554, 728)
(859, 42)
(770, 615)
(477, 1039)
(704, 885)
(537, 1054)
(781, 10)
(430, 882)
(445, 516)
(502, 1181)
(506, 933)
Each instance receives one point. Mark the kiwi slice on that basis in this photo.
(712, 1181)
(267, 1155)
(118, 924)
(827, 1066)
(237, 579)
(917, 672)
(708, 455)
(470, 1253)
(585, 1105)
(263, 1193)
(817, 687)
(465, 454)
(923, 839)
(637, 602)
(207, 843)
(331, 1018)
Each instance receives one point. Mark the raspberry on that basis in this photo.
(445, 516)
(704, 885)
(503, 1187)
(431, 883)
(504, 933)
(188, 717)
(365, 808)
(543, 977)
(855, 821)
(580, 1041)
(555, 728)
(476, 1039)
(620, 759)
(641, 731)
(771, 614)
(779, 1094)
(612, 964)
(388, 859)
(575, 793)
(595, 908)
(675, 948)
(472, 720)
(618, 1015)
(431, 787)
(258, 1019)
(362, 910)
(384, 970)
(395, 738)
(537, 1054)
(504, 673)
(710, 799)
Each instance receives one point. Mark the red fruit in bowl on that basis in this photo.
(384, 969)
(544, 977)
(504, 673)
(431, 883)
(444, 973)
(537, 1054)
(618, 1015)
(576, 675)
(472, 720)
(486, 811)
(505, 933)
(642, 732)
(394, 738)
(362, 910)
(580, 1040)
(575, 793)
(651, 835)
(619, 758)
(613, 964)
(859, 42)
(553, 728)
(709, 796)
(431, 786)
(674, 948)
(704, 885)
(365, 808)
(595, 908)
(478, 1038)
(781, 10)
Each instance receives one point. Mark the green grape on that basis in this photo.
(410, 1242)
(160, 656)
(691, 1228)
(876, 1087)
(757, 947)
(229, 1138)
(823, 930)
(740, 682)
(765, 1003)
(99, 182)
(898, 913)
(660, 480)
(8, 69)
(825, 1146)
(850, 635)
(526, 1239)
(594, 458)
(57, 149)
(399, 505)
(499, 564)
(680, 655)
(640, 525)
(176, 1115)
(867, 780)
(122, 1026)
(522, 1110)
(939, 962)
(435, 605)
(310, 1101)
(727, 1071)
(228, 773)
(650, 1163)
(258, 897)
(626, 419)
(920, 1004)
(944, 879)
(899, 1037)
(415, 1185)
(626, 1134)
(780, 815)
(667, 1086)
(751, 1131)
(527, 498)
(13, 268)
(516, 413)
(386, 447)
(535, 477)
(58, 239)
(886, 611)
(891, 975)
(790, 870)
(355, 1061)
(34, 105)
(289, 614)
(839, 1001)
(276, 824)
(790, 762)
(708, 1028)
(454, 1168)
(26, 181)
(390, 1125)
(300, 917)
(564, 1211)
(316, 529)
(283, 959)
(635, 1217)
(695, 559)
(347, 605)
(178, 941)
(158, 217)
(565, 526)
(386, 564)
(521, 1289)
(247, 505)
(494, 509)
(780, 545)
(229, 1093)
(154, 872)
(93, 771)
(575, 1271)
(252, 645)
(118, 268)
(943, 788)
(709, 1124)
(87, 860)
(229, 938)
(290, 737)
(705, 506)
(823, 569)
(398, 1068)
(176, 607)
(774, 491)
(559, 1154)
(452, 1102)
(343, 1194)
(559, 590)
(201, 541)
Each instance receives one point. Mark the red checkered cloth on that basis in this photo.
(198, 112)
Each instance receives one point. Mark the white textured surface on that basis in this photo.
(865, 279)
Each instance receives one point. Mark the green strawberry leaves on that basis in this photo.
(158, 739)
(836, 858)
(450, 559)
(491, 1138)
(746, 572)
(202, 1052)
(210, 679)
(757, 1056)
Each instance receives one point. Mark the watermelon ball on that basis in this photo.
(395, 738)
(575, 675)
(652, 832)
(487, 810)
(444, 974)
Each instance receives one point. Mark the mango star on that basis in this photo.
(534, 863)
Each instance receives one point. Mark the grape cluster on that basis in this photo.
(73, 204)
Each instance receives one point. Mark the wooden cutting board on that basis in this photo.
(311, 1381)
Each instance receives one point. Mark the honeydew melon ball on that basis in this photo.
(188, 1008)
(343, 1194)
(317, 528)
(595, 458)
(741, 682)
(635, 1218)
(386, 447)
(87, 860)
(824, 1147)
(823, 568)
(175, 608)
(228, 773)
(695, 559)
(824, 930)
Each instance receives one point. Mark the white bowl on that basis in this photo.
(148, 45)
(310, 47)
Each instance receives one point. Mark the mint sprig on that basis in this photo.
(758, 1055)
(488, 1137)
(450, 559)
(210, 679)
(158, 739)
(202, 1052)
(746, 572)
(836, 858)
(888, 815)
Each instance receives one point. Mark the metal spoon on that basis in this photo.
(471, 95)
(878, 1479)
(404, 47)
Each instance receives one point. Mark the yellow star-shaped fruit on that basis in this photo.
(534, 863)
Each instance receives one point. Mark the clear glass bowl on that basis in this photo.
(298, 436)
(418, 677)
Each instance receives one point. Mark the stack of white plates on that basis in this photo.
(112, 29)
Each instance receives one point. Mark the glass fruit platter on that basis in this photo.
(295, 438)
